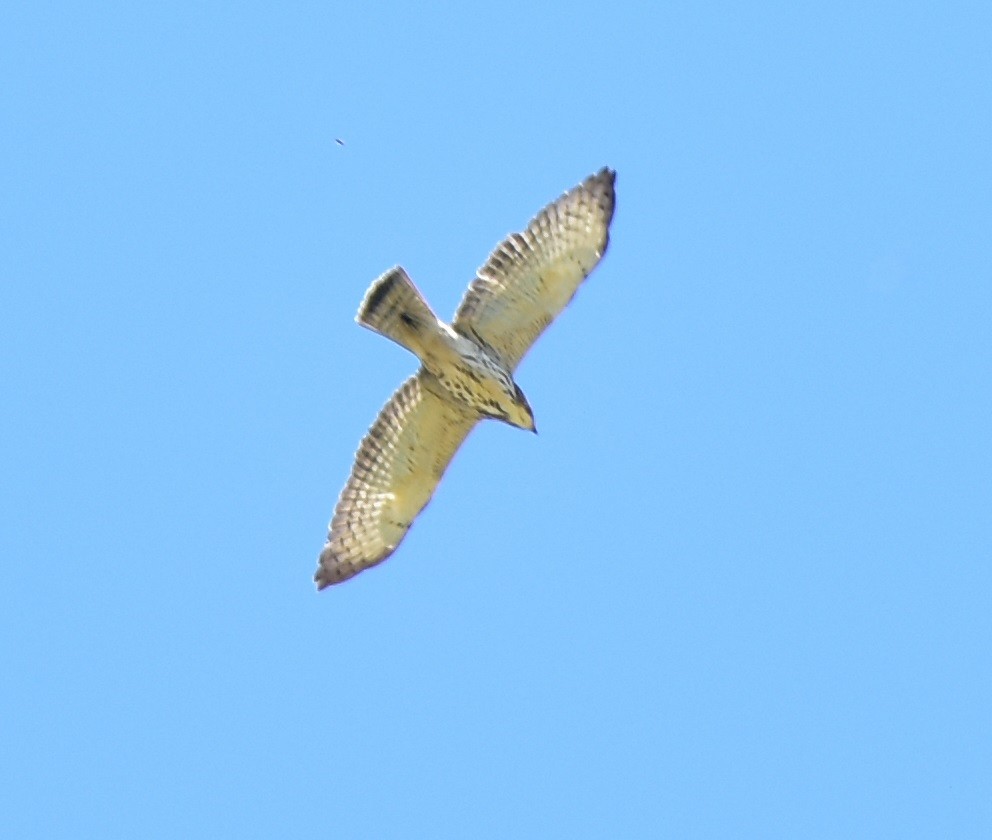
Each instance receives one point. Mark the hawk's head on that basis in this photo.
(521, 416)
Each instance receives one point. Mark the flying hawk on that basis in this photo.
(466, 373)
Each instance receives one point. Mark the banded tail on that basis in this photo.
(394, 307)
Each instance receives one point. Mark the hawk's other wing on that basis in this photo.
(531, 276)
(398, 465)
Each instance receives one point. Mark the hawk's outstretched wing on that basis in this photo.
(530, 278)
(397, 467)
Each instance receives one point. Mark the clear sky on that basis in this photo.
(739, 585)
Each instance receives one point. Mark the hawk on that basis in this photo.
(466, 372)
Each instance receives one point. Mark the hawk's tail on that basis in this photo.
(394, 307)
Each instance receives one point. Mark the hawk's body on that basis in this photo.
(467, 371)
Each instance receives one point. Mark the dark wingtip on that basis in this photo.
(328, 571)
(321, 579)
(604, 176)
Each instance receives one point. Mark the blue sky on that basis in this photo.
(737, 587)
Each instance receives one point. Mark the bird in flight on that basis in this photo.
(466, 372)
